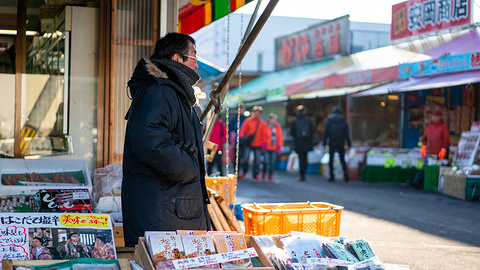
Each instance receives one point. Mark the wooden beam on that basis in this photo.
(20, 63)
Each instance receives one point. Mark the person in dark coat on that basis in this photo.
(335, 134)
(163, 187)
(302, 131)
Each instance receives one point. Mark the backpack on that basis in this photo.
(302, 129)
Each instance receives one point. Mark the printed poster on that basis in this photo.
(55, 236)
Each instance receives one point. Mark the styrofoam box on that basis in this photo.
(107, 204)
(22, 166)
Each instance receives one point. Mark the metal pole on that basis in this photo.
(252, 19)
(238, 59)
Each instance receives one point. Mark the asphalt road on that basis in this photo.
(404, 226)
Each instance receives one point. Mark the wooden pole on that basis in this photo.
(231, 219)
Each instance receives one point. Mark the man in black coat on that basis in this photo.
(336, 132)
(163, 187)
(302, 132)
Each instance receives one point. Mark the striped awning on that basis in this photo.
(199, 13)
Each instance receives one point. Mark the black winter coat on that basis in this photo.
(163, 185)
(302, 144)
(336, 131)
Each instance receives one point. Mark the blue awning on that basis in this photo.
(271, 86)
(207, 70)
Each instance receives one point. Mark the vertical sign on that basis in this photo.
(416, 17)
(313, 44)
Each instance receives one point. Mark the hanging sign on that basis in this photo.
(314, 44)
(55, 236)
(416, 17)
(446, 64)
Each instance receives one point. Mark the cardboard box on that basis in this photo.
(118, 235)
(142, 257)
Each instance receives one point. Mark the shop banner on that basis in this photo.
(314, 44)
(446, 64)
(417, 17)
(342, 80)
(55, 236)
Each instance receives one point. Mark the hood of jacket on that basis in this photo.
(180, 74)
(336, 118)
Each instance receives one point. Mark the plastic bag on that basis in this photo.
(292, 164)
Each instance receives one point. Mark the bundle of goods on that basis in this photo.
(461, 183)
(107, 188)
(44, 178)
(198, 249)
(18, 203)
(299, 250)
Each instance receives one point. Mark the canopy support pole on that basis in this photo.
(217, 96)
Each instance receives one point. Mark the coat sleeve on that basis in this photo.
(325, 132)
(347, 135)
(279, 135)
(293, 127)
(445, 137)
(152, 143)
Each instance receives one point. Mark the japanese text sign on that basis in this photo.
(18, 230)
(446, 64)
(313, 44)
(416, 17)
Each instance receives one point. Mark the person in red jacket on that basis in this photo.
(436, 137)
(274, 142)
(254, 125)
(219, 137)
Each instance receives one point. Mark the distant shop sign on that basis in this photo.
(446, 64)
(314, 44)
(416, 17)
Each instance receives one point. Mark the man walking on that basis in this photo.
(301, 130)
(336, 132)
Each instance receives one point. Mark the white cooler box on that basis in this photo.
(46, 167)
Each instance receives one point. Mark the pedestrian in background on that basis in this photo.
(274, 143)
(252, 136)
(436, 137)
(335, 134)
(218, 137)
(302, 131)
(435, 141)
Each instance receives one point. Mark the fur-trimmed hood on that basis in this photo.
(145, 70)
(180, 74)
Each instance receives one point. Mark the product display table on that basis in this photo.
(377, 174)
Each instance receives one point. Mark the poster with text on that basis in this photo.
(55, 236)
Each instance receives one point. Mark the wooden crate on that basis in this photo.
(143, 258)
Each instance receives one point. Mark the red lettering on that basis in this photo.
(286, 51)
(302, 47)
(334, 44)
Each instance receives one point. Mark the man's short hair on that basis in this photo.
(170, 44)
(257, 109)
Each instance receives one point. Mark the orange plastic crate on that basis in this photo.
(224, 185)
(280, 218)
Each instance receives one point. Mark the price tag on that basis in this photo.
(215, 258)
(327, 261)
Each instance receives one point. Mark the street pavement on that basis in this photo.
(403, 225)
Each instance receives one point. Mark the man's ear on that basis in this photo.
(177, 57)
